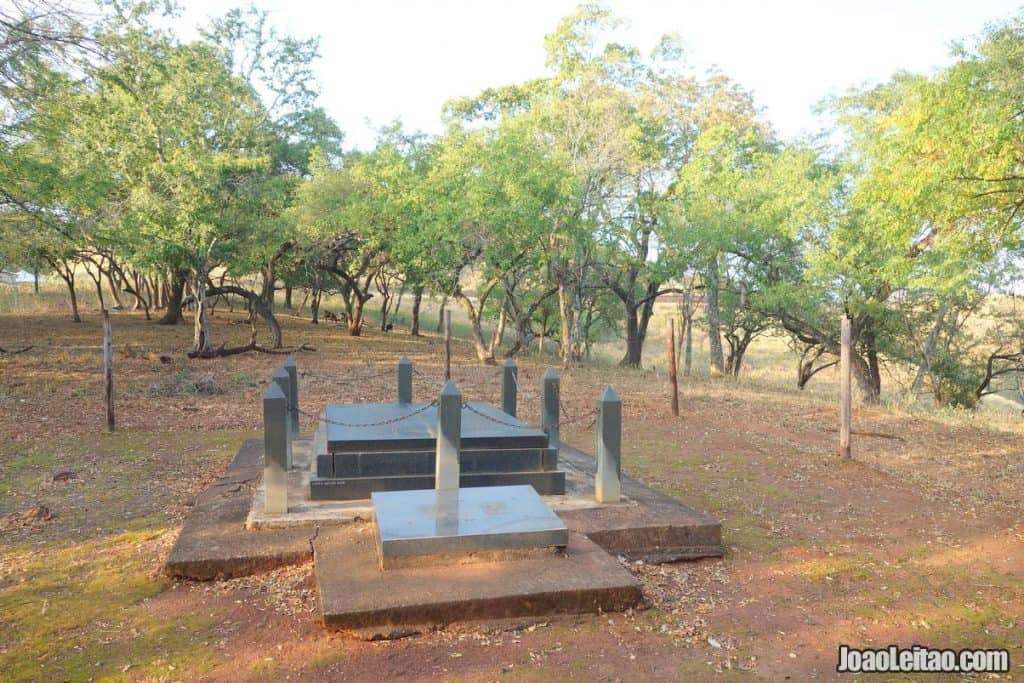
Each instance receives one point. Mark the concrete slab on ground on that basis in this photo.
(647, 525)
(214, 544)
(356, 595)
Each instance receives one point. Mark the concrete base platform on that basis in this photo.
(647, 526)
(356, 595)
(219, 540)
(213, 544)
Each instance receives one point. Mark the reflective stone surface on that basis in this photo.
(428, 522)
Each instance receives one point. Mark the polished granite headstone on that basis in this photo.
(450, 524)
(392, 448)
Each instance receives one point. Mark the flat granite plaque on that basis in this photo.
(377, 427)
(493, 521)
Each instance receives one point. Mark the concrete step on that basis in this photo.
(419, 462)
(356, 488)
(356, 595)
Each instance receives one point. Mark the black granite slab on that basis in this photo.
(419, 431)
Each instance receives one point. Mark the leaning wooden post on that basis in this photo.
(549, 407)
(449, 437)
(404, 380)
(845, 388)
(281, 379)
(108, 369)
(293, 393)
(672, 366)
(447, 345)
(275, 451)
(509, 383)
(608, 482)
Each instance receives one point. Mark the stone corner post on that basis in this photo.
(405, 380)
(449, 437)
(275, 451)
(608, 482)
(509, 386)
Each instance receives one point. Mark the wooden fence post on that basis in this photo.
(672, 366)
(108, 369)
(845, 388)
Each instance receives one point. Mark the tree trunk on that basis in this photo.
(874, 368)
(414, 330)
(929, 348)
(288, 297)
(865, 363)
(483, 353)
(634, 347)
(714, 326)
(398, 301)
(566, 322)
(385, 302)
(97, 280)
(113, 286)
(499, 334)
(355, 318)
(172, 316)
(440, 313)
(201, 344)
(314, 303)
(737, 349)
(869, 388)
(68, 275)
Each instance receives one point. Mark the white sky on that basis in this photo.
(388, 59)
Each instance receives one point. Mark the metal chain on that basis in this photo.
(416, 372)
(494, 419)
(359, 425)
(592, 414)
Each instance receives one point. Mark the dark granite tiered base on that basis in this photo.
(397, 453)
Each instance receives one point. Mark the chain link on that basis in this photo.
(568, 419)
(494, 419)
(360, 425)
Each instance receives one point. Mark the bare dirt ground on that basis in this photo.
(918, 540)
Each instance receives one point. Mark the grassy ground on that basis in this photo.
(917, 540)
